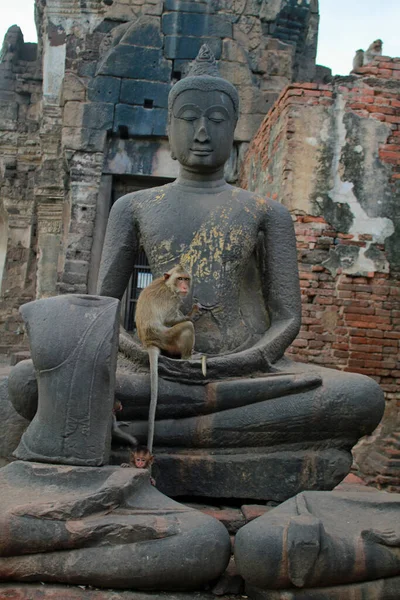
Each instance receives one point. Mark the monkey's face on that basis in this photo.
(201, 129)
(178, 282)
(142, 461)
(182, 284)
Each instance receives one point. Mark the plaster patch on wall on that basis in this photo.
(342, 192)
(53, 71)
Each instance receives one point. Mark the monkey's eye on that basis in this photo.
(180, 278)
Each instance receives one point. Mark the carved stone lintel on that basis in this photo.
(50, 217)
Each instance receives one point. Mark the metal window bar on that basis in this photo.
(141, 277)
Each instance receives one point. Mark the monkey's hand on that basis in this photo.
(196, 312)
(125, 466)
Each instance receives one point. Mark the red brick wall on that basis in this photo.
(350, 323)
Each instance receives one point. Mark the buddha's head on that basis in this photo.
(203, 111)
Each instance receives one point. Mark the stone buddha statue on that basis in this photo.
(258, 425)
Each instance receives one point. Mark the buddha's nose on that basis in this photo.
(201, 131)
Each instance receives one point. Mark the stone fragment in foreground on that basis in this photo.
(106, 527)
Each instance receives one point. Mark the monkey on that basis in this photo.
(141, 458)
(358, 59)
(374, 49)
(162, 327)
(117, 434)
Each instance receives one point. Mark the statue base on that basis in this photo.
(246, 473)
(104, 527)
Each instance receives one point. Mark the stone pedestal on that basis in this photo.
(251, 473)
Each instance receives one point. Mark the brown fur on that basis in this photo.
(374, 49)
(159, 321)
(161, 326)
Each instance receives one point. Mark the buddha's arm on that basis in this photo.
(280, 281)
(119, 250)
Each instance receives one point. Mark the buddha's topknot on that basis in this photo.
(203, 75)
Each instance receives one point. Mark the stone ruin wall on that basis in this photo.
(75, 118)
(20, 156)
(331, 153)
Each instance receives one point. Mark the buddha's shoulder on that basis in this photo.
(135, 199)
(260, 202)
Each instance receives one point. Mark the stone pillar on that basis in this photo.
(49, 244)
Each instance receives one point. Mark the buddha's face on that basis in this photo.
(201, 129)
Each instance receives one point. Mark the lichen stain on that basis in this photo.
(159, 196)
(208, 245)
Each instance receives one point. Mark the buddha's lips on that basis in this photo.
(201, 150)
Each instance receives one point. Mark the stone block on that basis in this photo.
(8, 115)
(7, 82)
(247, 127)
(86, 68)
(154, 9)
(104, 89)
(73, 114)
(98, 115)
(196, 7)
(233, 52)
(274, 476)
(141, 121)
(236, 73)
(198, 25)
(188, 47)
(73, 88)
(144, 32)
(137, 92)
(271, 62)
(136, 62)
(273, 83)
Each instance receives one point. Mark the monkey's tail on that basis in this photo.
(153, 357)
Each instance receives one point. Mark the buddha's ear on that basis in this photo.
(166, 276)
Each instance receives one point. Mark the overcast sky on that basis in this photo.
(345, 26)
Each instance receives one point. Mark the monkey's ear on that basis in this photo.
(167, 276)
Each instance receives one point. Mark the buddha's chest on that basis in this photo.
(208, 239)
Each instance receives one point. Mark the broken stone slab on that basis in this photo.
(380, 589)
(105, 527)
(321, 539)
(21, 591)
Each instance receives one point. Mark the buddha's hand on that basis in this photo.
(218, 367)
